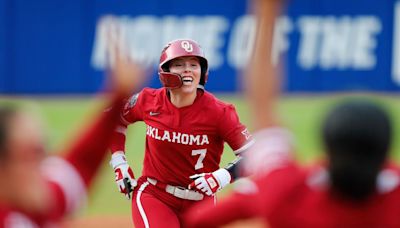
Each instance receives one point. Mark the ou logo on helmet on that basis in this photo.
(187, 46)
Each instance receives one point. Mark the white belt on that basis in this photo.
(177, 191)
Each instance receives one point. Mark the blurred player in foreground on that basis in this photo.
(37, 191)
(186, 130)
(357, 186)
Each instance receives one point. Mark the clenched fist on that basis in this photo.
(123, 174)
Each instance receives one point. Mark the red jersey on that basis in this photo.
(291, 196)
(67, 192)
(68, 177)
(183, 141)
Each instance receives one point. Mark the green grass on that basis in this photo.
(301, 114)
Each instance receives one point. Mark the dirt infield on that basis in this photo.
(103, 221)
(116, 221)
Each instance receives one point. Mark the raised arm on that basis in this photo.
(82, 159)
(262, 83)
(262, 89)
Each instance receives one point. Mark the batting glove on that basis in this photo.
(210, 183)
(123, 174)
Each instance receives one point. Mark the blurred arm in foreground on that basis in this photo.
(38, 191)
(357, 186)
(262, 89)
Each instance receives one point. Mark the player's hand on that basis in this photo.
(210, 183)
(127, 76)
(123, 174)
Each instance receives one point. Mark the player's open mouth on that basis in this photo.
(187, 80)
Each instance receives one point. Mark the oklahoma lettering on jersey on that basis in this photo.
(181, 142)
(176, 137)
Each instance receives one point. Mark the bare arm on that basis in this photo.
(261, 77)
(74, 174)
(125, 77)
(262, 91)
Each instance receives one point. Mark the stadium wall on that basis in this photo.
(58, 47)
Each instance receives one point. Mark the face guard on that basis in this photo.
(176, 49)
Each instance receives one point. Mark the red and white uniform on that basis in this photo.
(68, 177)
(181, 142)
(184, 141)
(288, 195)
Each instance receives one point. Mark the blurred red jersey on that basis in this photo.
(66, 192)
(291, 196)
(304, 200)
(68, 177)
(184, 141)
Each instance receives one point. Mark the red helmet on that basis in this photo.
(176, 49)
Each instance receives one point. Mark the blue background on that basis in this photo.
(46, 45)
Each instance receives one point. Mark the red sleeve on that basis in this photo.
(118, 138)
(52, 215)
(273, 149)
(130, 113)
(59, 207)
(232, 130)
(70, 176)
(66, 184)
(233, 208)
(132, 110)
(259, 198)
(88, 151)
(276, 189)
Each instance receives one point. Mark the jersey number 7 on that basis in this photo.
(202, 153)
